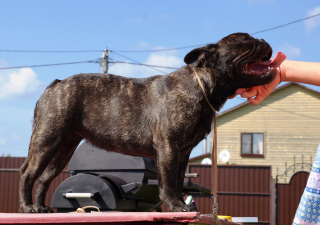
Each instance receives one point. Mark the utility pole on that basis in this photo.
(104, 61)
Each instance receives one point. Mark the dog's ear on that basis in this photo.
(199, 57)
(196, 56)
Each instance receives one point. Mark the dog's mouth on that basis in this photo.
(264, 65)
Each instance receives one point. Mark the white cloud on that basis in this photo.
(18, 82)
(165, 59)
(313, 22)
(290, 51)
(126, 70)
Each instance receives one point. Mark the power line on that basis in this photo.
(53, 64)
(142, 64)
(92, 61)
(139, 63)
(286, 24)
(158, 50)
(136, 62)
(49, 51)
(90, 51)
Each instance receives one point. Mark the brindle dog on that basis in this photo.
(160, 117)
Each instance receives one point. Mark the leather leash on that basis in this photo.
(214, 166)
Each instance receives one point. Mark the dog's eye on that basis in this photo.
(247, 38)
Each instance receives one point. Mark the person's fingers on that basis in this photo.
(257, 100)
(251, 92)
(240, 90)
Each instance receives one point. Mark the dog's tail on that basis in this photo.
(53, 83)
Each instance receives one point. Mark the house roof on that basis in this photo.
(277, 89)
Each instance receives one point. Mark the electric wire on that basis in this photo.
(52, 64)
(49, 51)
(155, 50)
(139, 63)
(142, 64)
(117, 52)
(159, 50)
(286, 24)
(91, 61)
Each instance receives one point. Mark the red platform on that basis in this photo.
(108, 218)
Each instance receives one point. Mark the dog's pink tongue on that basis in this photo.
(276, 62)
(265, 65)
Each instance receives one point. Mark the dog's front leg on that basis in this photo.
(183, 163)
(170, 189)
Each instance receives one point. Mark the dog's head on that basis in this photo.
(240, 60)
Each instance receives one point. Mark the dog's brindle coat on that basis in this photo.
(160, 117)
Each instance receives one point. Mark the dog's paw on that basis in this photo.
(189, 208)
(181, 207)
(36, 209)
(26, 209)
(42, 209)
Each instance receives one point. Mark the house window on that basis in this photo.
(252, 144)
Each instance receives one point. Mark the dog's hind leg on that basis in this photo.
(56, 165)
(29, 172)
(25, 184)
(43, 147)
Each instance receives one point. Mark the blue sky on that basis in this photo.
(128, 25)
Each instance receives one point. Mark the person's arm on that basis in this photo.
(292, 71)
(301, 72)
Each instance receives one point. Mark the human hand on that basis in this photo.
(255, 95)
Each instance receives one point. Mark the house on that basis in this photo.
(283, 131)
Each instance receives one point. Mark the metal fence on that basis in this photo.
(288, 197)
(243, 191)
(9, 184)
